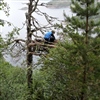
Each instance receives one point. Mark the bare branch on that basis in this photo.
(42, 44)
(34, 7)
(17, 40)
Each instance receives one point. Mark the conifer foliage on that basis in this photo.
(84, 30)
(77, 60)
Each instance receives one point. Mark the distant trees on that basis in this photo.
(58, 3)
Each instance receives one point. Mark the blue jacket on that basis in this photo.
(48, 35)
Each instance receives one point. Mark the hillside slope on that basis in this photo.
(58, 3)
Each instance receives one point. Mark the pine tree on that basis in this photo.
(73, 68)
(84, 30)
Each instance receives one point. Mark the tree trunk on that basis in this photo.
(83, 93)
(29, 49)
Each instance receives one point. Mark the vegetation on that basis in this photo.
(12, 82)
(70, 71)
(58, 3)
(73, 67)
(12, 79)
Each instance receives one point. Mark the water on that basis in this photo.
(17, 17)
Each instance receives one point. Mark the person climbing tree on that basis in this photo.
(49, 36)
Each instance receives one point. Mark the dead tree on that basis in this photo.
(33, 27)
(31, 21)
(29, 56)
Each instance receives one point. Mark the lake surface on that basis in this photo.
(17, 17)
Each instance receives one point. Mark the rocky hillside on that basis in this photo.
(58, 3)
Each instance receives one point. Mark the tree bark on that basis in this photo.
(29, 56)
